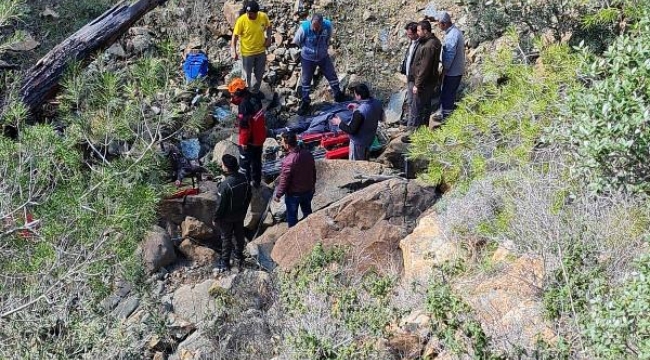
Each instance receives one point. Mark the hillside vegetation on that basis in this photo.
(547, 156)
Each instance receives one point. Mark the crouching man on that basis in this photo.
(365, 119)
(234, 196)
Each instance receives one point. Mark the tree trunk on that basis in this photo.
(42, 80)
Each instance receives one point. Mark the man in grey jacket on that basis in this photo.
(453, 62)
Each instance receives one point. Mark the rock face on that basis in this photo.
(157, 249)
(194, 303)
(425, 248)
(371, 222)
(508, 304)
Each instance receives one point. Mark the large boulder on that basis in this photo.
(201, 207)
(201, 255)
(227, 146)
(195, 229)
(259, 202)
(157, 249)
(425, 248)
(337, 178)
(371, 222)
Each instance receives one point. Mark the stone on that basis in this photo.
(425, 248)
(393, 156)
(126, 308)
(193, 303)
(196, 229)
(49, 13)
(140, 43)
(508, 305)
(260, 248)
(201, 207)
(231, 11)
(405, 346)
(370, 223)
(201, 255)
(369, 16)
(224, 147)
(159, 355)
(256, 210)
(278, 39)
(157, 249)
(395, 106)
(196, 346)
(27, 44)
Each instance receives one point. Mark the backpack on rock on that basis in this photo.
(195, 65)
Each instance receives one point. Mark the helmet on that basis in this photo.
(236, 84)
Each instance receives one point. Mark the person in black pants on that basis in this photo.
(234, 196)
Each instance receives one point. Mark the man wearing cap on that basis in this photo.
(411, 32)
(297, 181)
(366, 114)
(313, 36)
(234, 196)
(252, 130)
(251, 28)
(453, 62)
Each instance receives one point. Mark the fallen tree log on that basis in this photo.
(42, 80)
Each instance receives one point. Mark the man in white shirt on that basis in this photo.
(411, 32)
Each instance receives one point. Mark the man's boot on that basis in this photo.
(223, 265)
(304, 108)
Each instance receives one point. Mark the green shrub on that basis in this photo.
(617, 325)
(607, 122)
(498, 125)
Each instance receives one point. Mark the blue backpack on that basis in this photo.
(195, 66)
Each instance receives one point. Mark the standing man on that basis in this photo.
(297, 178)
(412, 34)
(314, 36)
(251, 28)
(252, 130)
(424, 74)
(453, 63)
(234, 196)
(365, 118)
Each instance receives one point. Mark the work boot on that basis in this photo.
(304, 108)
(340, 97)
(222, 266)
(239, 262)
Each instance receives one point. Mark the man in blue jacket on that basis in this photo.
(314, 36)
(365, 118)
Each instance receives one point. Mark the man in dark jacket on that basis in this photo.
(234, 196)
(297, 181)
(365, 118)
(424, 74)
(252, 130)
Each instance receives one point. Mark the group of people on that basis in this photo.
(421, 65)
(252, 32)
(297, 179)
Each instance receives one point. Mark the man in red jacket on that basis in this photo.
(252, 130)
(297, 178)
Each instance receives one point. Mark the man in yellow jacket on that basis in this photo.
(251, 28)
